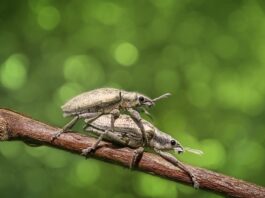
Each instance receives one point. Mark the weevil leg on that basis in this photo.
(107, 134)
(69, 125)
(111, 136)
(173, 160)
(138, 120)
(136, 156)
(89, 149)
(91, 119)
(115, 138)
(115, 114)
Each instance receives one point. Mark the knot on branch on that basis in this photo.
(3, 129)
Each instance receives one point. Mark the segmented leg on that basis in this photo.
(89, 149)
(103, 134)
(69, 125)
(137, 154)
(138, 120)
(114, 116)
(115, 138)
(177, 163)
(91, 119)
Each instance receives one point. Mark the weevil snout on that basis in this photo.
(177, 146)
(179, 149)
(149, 103)
(143, 100)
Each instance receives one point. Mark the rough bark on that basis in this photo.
(15, 126)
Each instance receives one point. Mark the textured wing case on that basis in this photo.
(124, 126)
(92, 100)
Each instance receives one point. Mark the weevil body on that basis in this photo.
(105, 100)
(93, 104)
(99, 100)
(127, 133)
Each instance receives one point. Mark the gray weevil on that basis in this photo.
(127, 133)
(93, 104)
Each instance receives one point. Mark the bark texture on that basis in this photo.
(15, 126)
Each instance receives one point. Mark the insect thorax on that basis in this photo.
(129, 100)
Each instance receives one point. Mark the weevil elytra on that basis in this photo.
(93, 104)
(127, 133)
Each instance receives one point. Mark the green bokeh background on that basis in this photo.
(209, 54)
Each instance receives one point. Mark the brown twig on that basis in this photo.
(14, 126)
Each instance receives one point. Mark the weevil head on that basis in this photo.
(163, 141)
(144, 101)
(133, 99)
(148, 102)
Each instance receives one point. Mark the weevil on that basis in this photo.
(127, 133)
(93, 104)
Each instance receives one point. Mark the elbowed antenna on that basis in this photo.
(161, 97)
(195, 151)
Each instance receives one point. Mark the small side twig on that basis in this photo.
(14, 126)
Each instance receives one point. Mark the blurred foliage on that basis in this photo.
(209, 54)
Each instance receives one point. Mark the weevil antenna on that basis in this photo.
(161, 97)
(195, 151)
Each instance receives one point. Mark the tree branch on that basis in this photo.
(14, 126)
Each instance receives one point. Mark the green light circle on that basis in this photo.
(157, 187)
(87, 173)
(13, 72)
(126, 54)
(48, 17)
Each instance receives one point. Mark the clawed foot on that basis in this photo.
(87, 151)
(56, 135)
(137, 153)
(196, 184)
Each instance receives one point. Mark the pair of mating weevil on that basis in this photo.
(101, 110)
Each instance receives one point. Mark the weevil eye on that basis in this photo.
(173, 142)
(141, 99)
